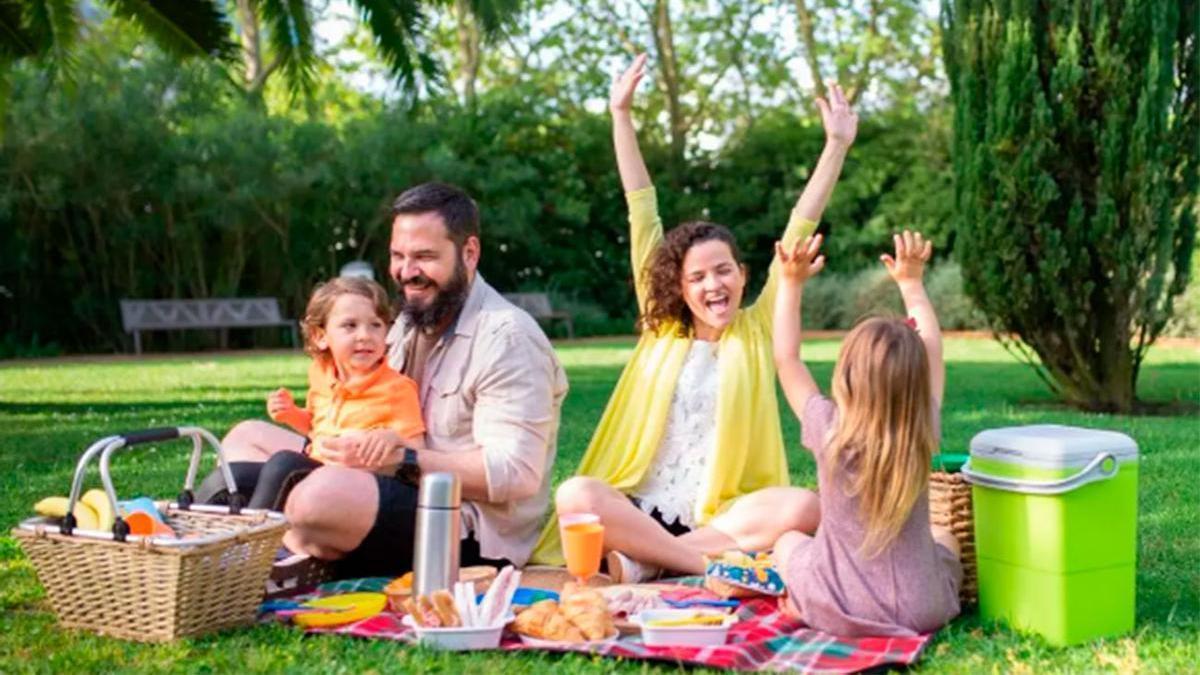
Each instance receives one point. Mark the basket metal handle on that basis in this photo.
(1103, 466)
(105, 447)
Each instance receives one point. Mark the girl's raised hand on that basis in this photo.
(803, 262)
(620, 97)
(838, 118)
(912, 252)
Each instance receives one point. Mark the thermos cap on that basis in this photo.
(440, 491)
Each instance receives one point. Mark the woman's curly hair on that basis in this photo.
(664, 302)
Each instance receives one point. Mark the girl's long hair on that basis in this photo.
(884, 436)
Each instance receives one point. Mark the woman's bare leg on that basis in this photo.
(256, 441)
(627, 528)
(757, 520)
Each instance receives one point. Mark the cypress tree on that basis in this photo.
(1075, 150)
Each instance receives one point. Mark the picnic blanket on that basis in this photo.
(763, 639)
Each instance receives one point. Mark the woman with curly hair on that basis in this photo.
(688, 458)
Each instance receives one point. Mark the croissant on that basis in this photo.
(543, 620)
(595, 624)
(558, 627)
(532, 621)
(587, 609)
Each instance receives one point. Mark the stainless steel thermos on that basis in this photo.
(435, 552)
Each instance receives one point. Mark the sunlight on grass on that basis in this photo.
(50, 410)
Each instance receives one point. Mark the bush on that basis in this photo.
(955, 309)
(837, 301)
(154, 179)
(1076, 178)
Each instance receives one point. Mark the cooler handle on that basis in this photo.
(1095, 471)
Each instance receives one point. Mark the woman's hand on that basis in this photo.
(804, 262)
(838, 118)
(620, 97)
(912, 252)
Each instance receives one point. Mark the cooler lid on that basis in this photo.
(1051, 445)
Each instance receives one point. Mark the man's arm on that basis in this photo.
(514, 419)
(516, 414)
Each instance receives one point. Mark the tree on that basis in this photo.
(273, 35)
(863, 42)
(1076, 178)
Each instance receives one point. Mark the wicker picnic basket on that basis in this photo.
(155, 588)
(950, 507)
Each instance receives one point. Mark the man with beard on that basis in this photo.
(491, 391)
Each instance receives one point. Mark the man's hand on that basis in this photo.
(838, 118)
(620, 97)
(371, 450)
(803, 263)
(912, 252)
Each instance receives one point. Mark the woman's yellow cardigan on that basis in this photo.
(749, 453)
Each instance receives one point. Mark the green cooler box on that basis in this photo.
(1056, 529)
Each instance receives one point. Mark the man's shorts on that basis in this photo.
(387, 550)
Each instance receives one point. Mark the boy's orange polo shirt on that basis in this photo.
(383, 399)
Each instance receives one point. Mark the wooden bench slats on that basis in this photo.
(222, 313)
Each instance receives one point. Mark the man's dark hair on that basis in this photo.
(456, 208)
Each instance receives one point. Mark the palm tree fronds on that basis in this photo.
(494, 15)
(190, 28)
(39, 28)
(291, 37)
(397, 26)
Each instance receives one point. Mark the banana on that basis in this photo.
(98, 500)
(56, 507)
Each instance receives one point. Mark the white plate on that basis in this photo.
(458, 639)
(559, 644)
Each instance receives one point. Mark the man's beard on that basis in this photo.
(447, 301)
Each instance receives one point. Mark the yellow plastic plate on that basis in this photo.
(350, 607)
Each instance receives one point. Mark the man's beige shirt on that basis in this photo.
(493, 383)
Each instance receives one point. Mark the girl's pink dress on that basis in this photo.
(911, 587)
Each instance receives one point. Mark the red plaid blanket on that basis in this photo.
(763, 639)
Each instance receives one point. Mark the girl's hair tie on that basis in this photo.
(910, 322)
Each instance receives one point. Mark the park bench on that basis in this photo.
(219, 313)
(538, 306)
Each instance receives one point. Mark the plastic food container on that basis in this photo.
(1056, 529)
(696, 635)
(458, 639)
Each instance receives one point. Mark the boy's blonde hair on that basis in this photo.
(884, 436)
(320, 305)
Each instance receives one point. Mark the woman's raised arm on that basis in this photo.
(645, 226)
(841, 125)
(634, 175)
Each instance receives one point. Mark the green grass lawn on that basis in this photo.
(49, 411)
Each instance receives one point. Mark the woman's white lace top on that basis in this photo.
(672, 483)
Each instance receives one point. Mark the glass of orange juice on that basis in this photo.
(583, 547)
